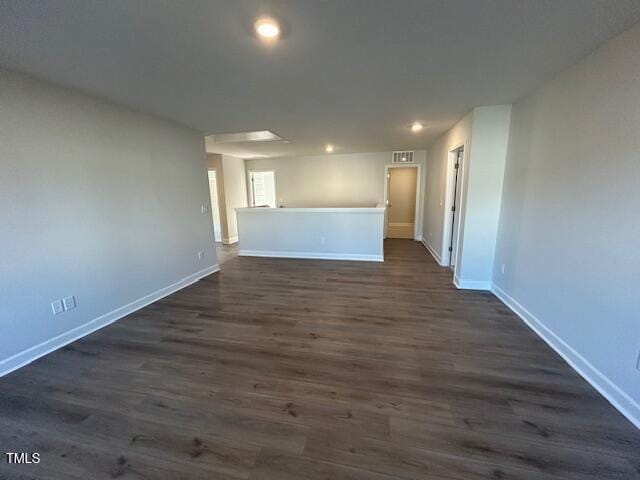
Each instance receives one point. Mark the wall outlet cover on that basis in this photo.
(69, 303)
(200, 255)
(57, 307)
(204, 208)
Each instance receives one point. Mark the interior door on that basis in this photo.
(215, 212)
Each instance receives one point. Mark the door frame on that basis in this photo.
(214, 170)
(448, 203)
(416, 233)
(250, 187)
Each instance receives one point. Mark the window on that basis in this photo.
(263, 189)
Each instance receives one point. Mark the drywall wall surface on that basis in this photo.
(436, 181)
(569, 224)
(483, 134)
(338, 180)
(483, 175)
(214, 162)
(98, 202)
(235, 193)
(326, 233)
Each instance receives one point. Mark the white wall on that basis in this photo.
(97, 202)
(214, 162)
(436, 180)
(484, 135)
(570, 224)
(328, 233)
(235, 193)
(339, 180)
(483, 173)
(232, 192)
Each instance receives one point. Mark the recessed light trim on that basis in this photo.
(416, 127)
(329, 148)
(267, 28)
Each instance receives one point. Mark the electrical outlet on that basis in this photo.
(638, 362)
(502, 269)
(323, 241)
(57, 307)
(69, 303)
(204, 208)
(200, 255)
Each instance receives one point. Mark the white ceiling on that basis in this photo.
(355, 73)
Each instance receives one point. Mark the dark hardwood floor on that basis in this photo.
(301, 369)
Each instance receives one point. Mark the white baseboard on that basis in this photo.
(312, 255)
(27, 356)
(418, 238)
(609, 390)
(230, 240)
(471, 284)
(432, 252)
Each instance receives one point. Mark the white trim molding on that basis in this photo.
(230, 240)
(471, 284)
(433, 253)
(598, 380)
(378, 209)
(27, 356)
(312, 255)
(449, 188)
(401, 224)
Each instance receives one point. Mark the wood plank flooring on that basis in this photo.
(278, 369)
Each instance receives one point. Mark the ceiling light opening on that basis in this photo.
(267, 28)
(416, 127)
(328, 148)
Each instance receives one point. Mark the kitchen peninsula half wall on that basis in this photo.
(336, 233)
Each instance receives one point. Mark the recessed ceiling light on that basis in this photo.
(416, 127)
(328, 148)
(267, 28)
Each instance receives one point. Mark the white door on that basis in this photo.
(215, 212)
(263, 189)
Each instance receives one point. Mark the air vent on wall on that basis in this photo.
(402, 157)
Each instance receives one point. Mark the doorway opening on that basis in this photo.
(215, 205)
(453, 201)
(262, 186)
(402, 201)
